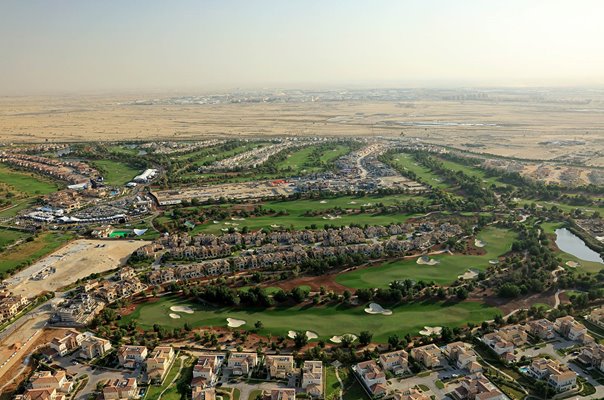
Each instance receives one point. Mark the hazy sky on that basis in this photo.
(66, 46)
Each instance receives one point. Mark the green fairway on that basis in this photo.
(471, 171)
(8, 236)
(26, 182)
(28, 252)
(300, 161)
(406, 161)
(406, 318)
(498, 242)
(116, 173)
(296, 217)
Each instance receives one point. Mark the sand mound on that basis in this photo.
(338, 339)
(479, 243)
(572, 264)
(469, 274)
(182, 309)
(431, 330)
(309, 335)
(423, 260)
(235, 323)
(174, 316)
(375, 308)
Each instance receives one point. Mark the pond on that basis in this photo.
(572, 244)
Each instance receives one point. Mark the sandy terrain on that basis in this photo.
(77, 260)
(512, 125)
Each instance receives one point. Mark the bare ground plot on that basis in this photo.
(509, 128)
(75, 261)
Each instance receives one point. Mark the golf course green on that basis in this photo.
(449, 267)
(406, 318)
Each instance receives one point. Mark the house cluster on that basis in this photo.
(373, 376)
(286, 248)
(94, 295)
(74, 172)
(251, 158)
(505, 340)
(205, 376)
(86, 345)
(11, 305)
(47, 385)
(596, 317)
(170, 147)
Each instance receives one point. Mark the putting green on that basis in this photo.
(326, 321)
(498, 242)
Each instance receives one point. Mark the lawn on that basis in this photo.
(471, 171)
(28, 252)
(297, 161)
(406, 318)
(154, 392)
(8, 236)
(406, 161)
(498, 242)
(26, 183)
(116, 173)
(352, 388)
(297, 208)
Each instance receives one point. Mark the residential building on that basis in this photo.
(159, 362)
(396, 362)
(312, 378)
(411, 394)
(463, 356)
(558, 376)
(202, 393)
(131, 356)
(429, 355)
(542, 328)
(597, 317)
(593, 355)
(120, 389)
(477, 387)
(373, 378)
(279, 366)
(242, 363)
(281, 394)
(69, 342)
(571, 329)
(205, 372)
(51, 380)
(92, 347)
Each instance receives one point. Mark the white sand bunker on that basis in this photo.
(423, 260)
(338, 339)
(572, 264)
(352, 202)
(323, 202)
(375, 308)
(275, 226)
(174, 316)
(493, 262)
(479, 243)
(235, 323)
(431, 330)
(183, 309)
(309, 335)
(468, 275)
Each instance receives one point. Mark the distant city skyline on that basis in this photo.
(114, 46)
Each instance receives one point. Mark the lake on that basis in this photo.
(572, 244)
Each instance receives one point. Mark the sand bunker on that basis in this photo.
(479, 243)
(423, 260)
(235, 323)
(375, 308)
(469, 274)
(183, 309)
(338, 339)
(309, 335)
(275, 226)
(493, 262)
(431, 330)
(572, 264)
(174, 316)
(352, 202)
(323, 201)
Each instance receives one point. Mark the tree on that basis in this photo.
(259, 325)
(461, 293)
(365, 337)
(393, 341)
(347, 341)
(300, 339)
